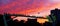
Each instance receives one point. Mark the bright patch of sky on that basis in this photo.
(54, 1)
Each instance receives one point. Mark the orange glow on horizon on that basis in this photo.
(25, 19)
(42, 20)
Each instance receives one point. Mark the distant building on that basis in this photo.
(32, 20)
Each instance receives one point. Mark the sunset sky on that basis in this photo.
(28, 7)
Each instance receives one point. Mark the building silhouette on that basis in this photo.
(33, 22)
